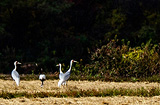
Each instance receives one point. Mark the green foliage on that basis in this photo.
(116, 21)
(57, 7)
(143, 60)
(113, 60)
(146, 33)
(49, 32)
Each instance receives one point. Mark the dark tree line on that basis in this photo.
(52, 31)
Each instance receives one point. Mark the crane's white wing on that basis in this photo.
(61, 75)
(66, 75)
(16, 77)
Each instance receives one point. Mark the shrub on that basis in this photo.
(117, 59)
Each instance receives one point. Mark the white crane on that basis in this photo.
(60, 71)
(61, 74)
(42, 77)
(66, 75)
(15, 74)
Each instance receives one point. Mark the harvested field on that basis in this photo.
(50, 86)
(117, 100)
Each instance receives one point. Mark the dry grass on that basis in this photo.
(51, 86)
(117, 100)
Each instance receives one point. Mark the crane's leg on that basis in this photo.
(15, 84)
(63, 84)
(42, 84)
(66, 83)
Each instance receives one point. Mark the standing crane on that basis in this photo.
(66, 75)
(60, 71)
(15, 74)
(61, 74)
(42, 77)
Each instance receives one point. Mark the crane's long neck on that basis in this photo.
(15, 67)
(70, 66)
(60, 69)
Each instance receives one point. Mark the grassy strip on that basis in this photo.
(86, 93)
(29, 77)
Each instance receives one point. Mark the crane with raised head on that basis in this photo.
(61, 74)
(15, 74)
(65, 76)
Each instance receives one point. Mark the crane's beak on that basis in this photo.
(18, 63)
(57, 65)
(74, 61)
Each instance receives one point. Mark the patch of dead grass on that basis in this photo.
(51, 86)
(117, 100)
